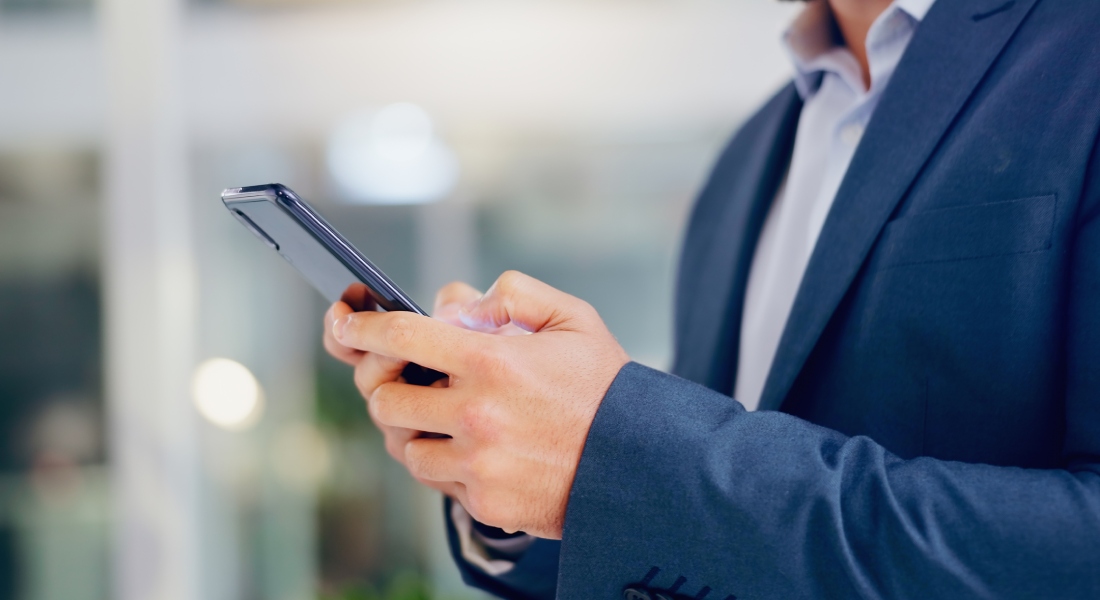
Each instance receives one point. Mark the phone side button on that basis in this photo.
(255, 229)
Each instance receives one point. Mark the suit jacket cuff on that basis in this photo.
(631, 519)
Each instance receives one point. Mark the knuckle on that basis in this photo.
(585, 310)
(593, 317)
(419, 464)
(481, 466)
(510, 281)
(476, 418)
(490, 359)
(399, 331)
(380, 403)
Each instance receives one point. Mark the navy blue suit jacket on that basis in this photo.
(931, 423)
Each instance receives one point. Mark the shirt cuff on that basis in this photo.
(492, 555)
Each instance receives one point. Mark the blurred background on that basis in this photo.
(169, 426)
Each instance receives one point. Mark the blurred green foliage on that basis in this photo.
(404, 586)
(339, 407)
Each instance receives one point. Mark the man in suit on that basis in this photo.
(896, 260)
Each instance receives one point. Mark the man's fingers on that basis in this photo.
(348, 356)
(358, 297)
(396, 438)
(374, 370)
(448, 308)
(337, 350)
(413, 407)
(526, 302)
(433, 459)
(411, 337)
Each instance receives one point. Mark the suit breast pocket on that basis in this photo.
(969, 232)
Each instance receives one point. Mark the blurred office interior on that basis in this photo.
(169, 426)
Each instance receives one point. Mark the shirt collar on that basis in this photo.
(814, 43)
(916, 8)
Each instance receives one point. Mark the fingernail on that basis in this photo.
(339, 327)
(470, 306)
(465, 314)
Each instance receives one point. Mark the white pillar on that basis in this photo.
(150, 292)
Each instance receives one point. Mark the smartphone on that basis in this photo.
(290, 226)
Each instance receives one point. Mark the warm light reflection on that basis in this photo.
(226, 394)
(391, 156)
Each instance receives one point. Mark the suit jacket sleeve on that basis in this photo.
(678, 482)
(679, 487)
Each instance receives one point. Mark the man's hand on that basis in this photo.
(518, 408)
(373, 369)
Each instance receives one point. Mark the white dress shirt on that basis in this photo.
(837, 108)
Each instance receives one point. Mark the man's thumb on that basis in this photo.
(525, 302)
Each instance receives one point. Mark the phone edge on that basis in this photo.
(289, 201)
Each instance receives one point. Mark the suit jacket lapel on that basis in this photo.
(951, 51)
(721, 239)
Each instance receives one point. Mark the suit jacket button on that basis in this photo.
(633, 593)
